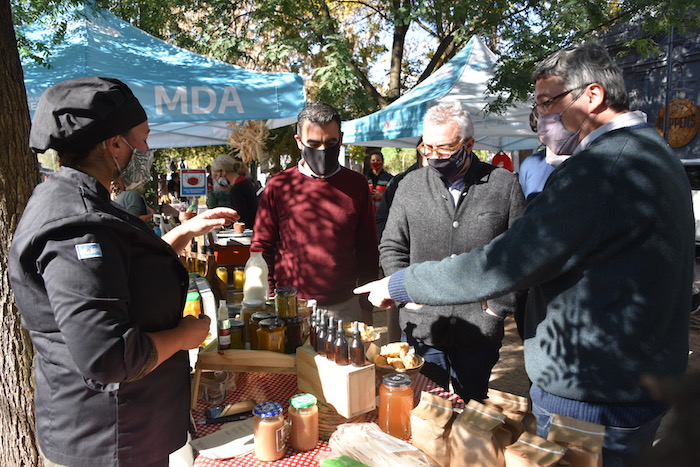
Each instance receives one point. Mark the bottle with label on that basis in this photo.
(357, 347)
(395, 405)
(303, 416)
(321, 335)
(224, 326)
(255, 285)
(269, 431)
(193, 304)
(330, 339)
(341, 345)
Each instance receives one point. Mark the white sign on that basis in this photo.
(193, 182)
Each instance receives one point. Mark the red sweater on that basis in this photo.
(318, 234)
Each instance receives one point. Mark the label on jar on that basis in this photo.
(279, 438)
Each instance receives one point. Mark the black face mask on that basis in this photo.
(450, 167)
(322, 162)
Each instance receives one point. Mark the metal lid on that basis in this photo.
(302, 401)
(271, 323)
(267, 410)
(395, 380)
(252, 303)
(285, 290)
(236, 323)
(261, 315)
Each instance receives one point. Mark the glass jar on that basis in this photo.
(271, 335)
(269, 431)
(222, 273)
(237, 334)
(255, 318)
(303, 417)
(294, 334)
(238, 277)
(248, 307)
(286, 302)
(395, 405)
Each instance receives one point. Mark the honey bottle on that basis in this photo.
(357, 348)
(321, 336)
(330, 339)
(341, 345)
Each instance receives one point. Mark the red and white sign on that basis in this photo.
(193, 182)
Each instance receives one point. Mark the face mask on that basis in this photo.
(553, 134)
(450, 167)
(321, 161)
(138, 170)
(554, 159)
(222, 181)
(376, 166)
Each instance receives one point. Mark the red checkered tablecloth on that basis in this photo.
(263, 387)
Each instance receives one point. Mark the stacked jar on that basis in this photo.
(287, 310)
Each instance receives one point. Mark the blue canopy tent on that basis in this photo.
(463, 78)
(188, 98)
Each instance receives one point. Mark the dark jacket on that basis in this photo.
(90, 280)
(424, 225)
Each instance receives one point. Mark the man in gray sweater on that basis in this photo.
(607, 250)
(455, 204)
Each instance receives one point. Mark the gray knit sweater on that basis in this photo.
(425, 225)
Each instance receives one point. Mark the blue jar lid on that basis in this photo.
(267, 410)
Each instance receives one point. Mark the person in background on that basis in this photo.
(233, 189)
(456, 204)
(131, 200)
(315, 221)
(534, 172)
(607, 250)
(100, 294)
(502, 160)
(377, 177)
(174, 186)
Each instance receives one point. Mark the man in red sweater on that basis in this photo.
(315, 221)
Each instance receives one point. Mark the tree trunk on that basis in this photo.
(401, 25)
(18, 176)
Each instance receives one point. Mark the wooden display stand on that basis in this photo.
(349, 390)
(239, 360)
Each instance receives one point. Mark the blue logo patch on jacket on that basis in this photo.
(88, 250)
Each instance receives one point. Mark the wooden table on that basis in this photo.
(263, 387)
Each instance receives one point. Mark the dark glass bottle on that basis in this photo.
(330, 339)
(357, 348)
(321, 336)
(313, 330)
(341, 345)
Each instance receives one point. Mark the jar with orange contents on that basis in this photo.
(269, 431)
(395, 405)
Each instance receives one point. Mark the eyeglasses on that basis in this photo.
(548, 103)
(443, 151)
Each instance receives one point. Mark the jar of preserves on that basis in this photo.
(294, 334)
(303, 417)
(248, 307)
(222, 273)
(238, 277)
(271, 335)
(255, 318)
(395, 405)
(269, 431)
(237, 334)
(286, 302)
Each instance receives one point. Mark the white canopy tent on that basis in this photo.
(463, 78)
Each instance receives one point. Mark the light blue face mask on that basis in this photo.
(138, 170)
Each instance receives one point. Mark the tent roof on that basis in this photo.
(188, 97)
(464, 78)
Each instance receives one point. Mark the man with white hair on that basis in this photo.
(455, 204)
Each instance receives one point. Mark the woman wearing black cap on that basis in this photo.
(100, 294)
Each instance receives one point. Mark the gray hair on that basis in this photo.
(451, 111)
(318, 113)
(585, 64)
(228, 163)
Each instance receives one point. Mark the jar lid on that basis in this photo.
(267, 410)
(296, 319)
(252, 303)
(302, 401)
(261, 315)
(271, 323)
(396, 380)
(236, 323)
(285, 290)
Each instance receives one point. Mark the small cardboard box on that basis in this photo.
(349, 390)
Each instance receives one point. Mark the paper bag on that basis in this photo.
(533, 451)
(431, 421)
(514, 407)
(584, 440)
(477, 437)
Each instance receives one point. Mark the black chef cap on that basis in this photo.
(77, 114)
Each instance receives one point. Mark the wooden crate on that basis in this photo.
(349, 390)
